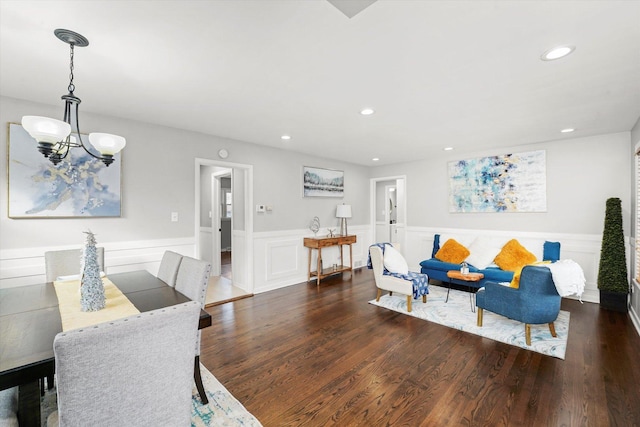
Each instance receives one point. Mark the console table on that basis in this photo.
(324, 242)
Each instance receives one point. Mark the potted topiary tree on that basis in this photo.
(613, 281)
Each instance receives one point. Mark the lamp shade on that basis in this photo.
(106, 143)
(44, 129)
(343, 211)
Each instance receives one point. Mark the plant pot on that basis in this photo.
(614, 301)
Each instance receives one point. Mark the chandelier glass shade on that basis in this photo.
(54, 137)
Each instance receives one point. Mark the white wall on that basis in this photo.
(582, 173)
(157, 179)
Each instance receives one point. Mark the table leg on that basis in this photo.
(309, 265)
(473, 309)
(351, 259)
(29, 404)
(319, 266)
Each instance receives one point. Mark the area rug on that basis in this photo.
(223, 409)
(457, 314)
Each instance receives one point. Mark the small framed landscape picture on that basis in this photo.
(318, 182)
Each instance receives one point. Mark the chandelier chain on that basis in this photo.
(71, 85)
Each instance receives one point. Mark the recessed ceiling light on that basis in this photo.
(367, 111)
(567, 130)
(557, 53)
(375, 159)
(285, 137)
(448, 148)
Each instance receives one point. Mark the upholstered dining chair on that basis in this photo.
(140, 370)
(67, 262)
(535, 301)
(402, 284)
(64, 263)
(168, 270)
(9, 407)
(192, 281)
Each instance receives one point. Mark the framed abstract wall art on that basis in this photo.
(505, 183)
(318, 182)
(79, 186)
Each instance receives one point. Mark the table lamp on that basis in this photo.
(343, 212)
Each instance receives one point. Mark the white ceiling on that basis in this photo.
(465, 74)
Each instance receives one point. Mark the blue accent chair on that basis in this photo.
(536, 301)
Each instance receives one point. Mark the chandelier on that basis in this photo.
(54, 136)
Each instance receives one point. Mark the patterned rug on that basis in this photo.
(457, 314)
(223, 409)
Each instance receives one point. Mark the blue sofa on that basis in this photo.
(436, 269)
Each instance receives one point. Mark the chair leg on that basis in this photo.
(379, 294)
(50, 381)
(479, 316)
(424, 298)
(552, 329)
(198, 379)
(409, 303)
(390, 293)
(527, 333)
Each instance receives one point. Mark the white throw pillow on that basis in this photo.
(483, 251)
(535, 246)
(394, 261)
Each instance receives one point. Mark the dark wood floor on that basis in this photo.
(303, 356)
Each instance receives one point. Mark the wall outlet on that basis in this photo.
(260, 208)
(174, 216)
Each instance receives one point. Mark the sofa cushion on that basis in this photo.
(452, 252)
(551, 251)
(394, 262)
(483, 251)
(494, 274)
(514, 255)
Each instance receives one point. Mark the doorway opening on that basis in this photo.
(224, 223)
(388, 209)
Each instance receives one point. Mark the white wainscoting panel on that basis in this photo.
(280, 258)
(21, 267)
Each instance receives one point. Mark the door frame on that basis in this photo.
(242, 264)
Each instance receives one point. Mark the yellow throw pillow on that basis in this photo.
(514, 255)
(515, 282)
(452, 252)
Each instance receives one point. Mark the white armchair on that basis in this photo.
(390, 283)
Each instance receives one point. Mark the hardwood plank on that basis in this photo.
(308, 355)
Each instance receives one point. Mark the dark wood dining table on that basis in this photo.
(30, 320)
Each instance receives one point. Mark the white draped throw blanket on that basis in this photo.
(568, 277)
